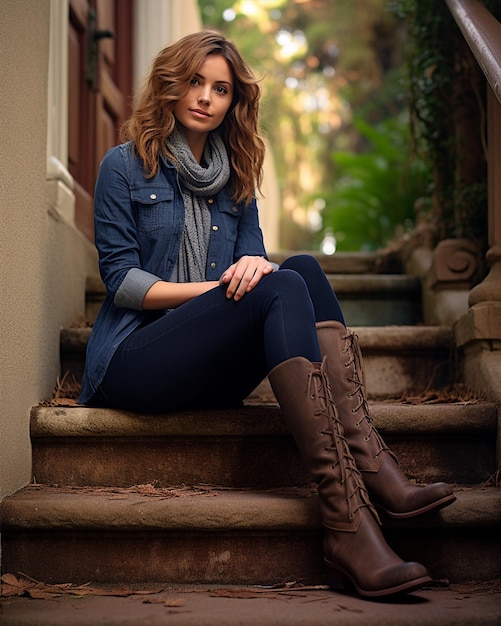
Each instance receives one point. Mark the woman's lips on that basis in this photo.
(200, 113)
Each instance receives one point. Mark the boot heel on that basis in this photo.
(336, 580)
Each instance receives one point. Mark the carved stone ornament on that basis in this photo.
(455, 262)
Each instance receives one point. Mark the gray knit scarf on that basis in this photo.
(197, 182)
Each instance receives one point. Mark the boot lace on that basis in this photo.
(352, 349)
(356, 494)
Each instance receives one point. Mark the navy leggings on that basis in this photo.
(213, 351)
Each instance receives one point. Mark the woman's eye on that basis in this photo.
(221, 90)
(194, 81)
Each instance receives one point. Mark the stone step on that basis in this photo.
(375, 262)
(246, 447)
(366, 299)
(222, 537)
(378, 299)
(350, 263)
(397, 359)
(406, 359)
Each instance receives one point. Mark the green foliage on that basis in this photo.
(348, 66)
(446, 85)
(433, 38)
(375, 191)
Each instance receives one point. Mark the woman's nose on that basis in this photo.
(204, 98)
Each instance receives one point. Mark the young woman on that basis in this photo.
(196, 315)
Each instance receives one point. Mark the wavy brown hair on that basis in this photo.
(152, 120)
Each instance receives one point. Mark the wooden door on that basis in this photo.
(100, 91)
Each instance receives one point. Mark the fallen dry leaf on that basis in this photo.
(25, 585)
(12, 586)
(348, 608)
(163, 493)
(43, 594)
(65, 393)
(174, 603)
(478, 587)
(457, 393)
(121, 493)
(168, 602)
(273, 591)
(494, 480)
(241, 594)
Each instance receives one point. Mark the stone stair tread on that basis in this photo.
(396, 338)
(452, 442)
(376, 262)
(371, 284)
(211, 510)
(341, 282)
(404, 338)
(367, 298)
(390, 417)
(100, 508)
(108, 535)
(397, 358)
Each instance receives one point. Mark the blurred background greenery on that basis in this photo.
(335, 113)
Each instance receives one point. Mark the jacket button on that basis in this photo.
(153, 196)
(210, 201)
(215, 228)
(234, 209)
(213, 265)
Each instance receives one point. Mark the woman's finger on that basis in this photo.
(244, 275)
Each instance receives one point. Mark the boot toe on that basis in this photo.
(424, 499)
(399, 579)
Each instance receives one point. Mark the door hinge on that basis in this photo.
(94, 36)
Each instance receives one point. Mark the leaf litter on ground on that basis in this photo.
(178, 491)
(23, 585)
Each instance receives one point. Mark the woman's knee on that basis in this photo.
(304, 264)
(319, 288)
(287, 280)
(289, 288)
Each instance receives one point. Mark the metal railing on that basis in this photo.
(482, 33)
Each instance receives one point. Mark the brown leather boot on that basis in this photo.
(354, 545)
(389, 489)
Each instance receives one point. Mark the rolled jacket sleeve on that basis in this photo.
(134, 287)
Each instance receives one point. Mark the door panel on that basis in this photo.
(100, 86)
(74, 103)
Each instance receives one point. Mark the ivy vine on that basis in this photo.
(447, 101)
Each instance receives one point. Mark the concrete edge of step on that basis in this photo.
(349, 262)
(399, 339)
(343, 282)
(361, 286)
(81, 421)
(95, 509)
(394, 339)
(353, 263)
(428, 420)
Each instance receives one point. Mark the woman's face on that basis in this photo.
(208, 99)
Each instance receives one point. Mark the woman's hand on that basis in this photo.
(244, 275)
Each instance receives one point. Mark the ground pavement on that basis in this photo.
(467, 604)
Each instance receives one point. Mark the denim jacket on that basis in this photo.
(138, 228)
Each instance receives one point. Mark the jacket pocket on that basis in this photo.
(230, 215)
(152, 207)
